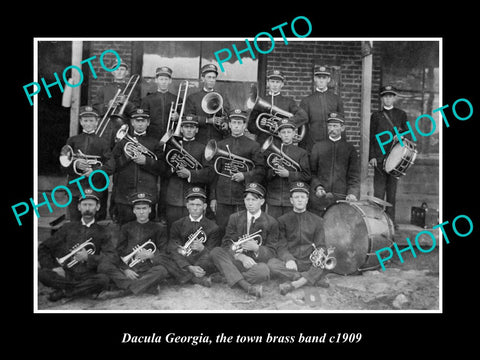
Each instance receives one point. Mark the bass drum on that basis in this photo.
(356, 230)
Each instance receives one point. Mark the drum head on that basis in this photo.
(394, 157)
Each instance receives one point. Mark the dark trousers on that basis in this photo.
(385, 188)
(305, 269)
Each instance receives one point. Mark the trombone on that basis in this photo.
(172, 129)
(113, 110)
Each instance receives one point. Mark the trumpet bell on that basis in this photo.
(66, 156)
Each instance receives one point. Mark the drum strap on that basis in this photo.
(395, 140)
(388, 118)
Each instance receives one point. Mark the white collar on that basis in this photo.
(270, 93)
(208, 90)
(139, 134)
(187, 140)
(388, 107)
(89, 224)
(335, 140)
(88, 132)
(321, 90)
(255, 216)
(197, 220)
(299, 212)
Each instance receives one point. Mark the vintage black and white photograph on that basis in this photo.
(268, 174)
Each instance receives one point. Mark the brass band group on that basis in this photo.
(203, 192)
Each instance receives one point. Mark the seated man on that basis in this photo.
(244, 263)
(301, 232)
(69, 260)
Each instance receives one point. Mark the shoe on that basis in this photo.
(112, 294)
(285, 288)
(204, 281)
(255, 290)
(217, 278)
(322, 283)
(56, 295)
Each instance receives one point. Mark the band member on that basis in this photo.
(318, 105)
(226, 189)
(335, 167)
(244, 264)
(385, 185)
(185, 173)
(97, 152)
(275, 83)
(300, 233)
(69, 260)
(136, 166)
(280, 175)
(211, 126)
(142, 262)
(193, 237)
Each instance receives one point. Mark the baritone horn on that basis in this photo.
(234, 163)
(67, 156)
(88, 245)
(278, 158)
(132, 147)
(179, 158)
(199, 235)
(237, 245)
(323, 260)
(131, 260)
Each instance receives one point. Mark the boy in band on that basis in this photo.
(78, 275)
(142, 261)
(207, 130)
(88, 143)
(300, 233)
(246, 267)
(335, 167)
(198, 262)
(280, 177)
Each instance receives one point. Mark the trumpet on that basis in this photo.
(179, 158)
(237, 245)
(70, 257)
(131, 260)
(234, 164)
(132, 148)
(113, 110)
(67, 156)
(211, 104)
(278, 158)
(320, 259)
(172, 129)
(199, 235)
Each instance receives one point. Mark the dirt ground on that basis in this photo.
(413, 285)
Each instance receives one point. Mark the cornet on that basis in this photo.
(70, 257)
(67, 156)
(234, 164)
(237, 245)
(322, 260)
(199, 235)
(132, 147)
(211, 104)
(131, 260)
(278, 157)
(179, 158)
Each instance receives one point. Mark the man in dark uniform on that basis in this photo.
(87, 143)
(134, 172)
(301, 232)
(79, 274)
(335, 167)
(275, 83)
(279, 177)
(142, 262)
(318, 105)
(385, 185)
(195, 257)
(207, 130)
(227, 190)
(180, 178)
(246, 266)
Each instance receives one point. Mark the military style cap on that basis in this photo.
(189, 119)
(86, 111)
(255, 188)
(164, 70)
(141, 197)
(122, 63)
(275, 74)
(195, 191)
(209, 68)
(299, 186)
(388, 89)
(238, 114)
(89, 194)
(335, 117)
(321, 70)
(286, 123)
(140, 114)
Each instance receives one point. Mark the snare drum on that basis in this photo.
(356, 230)
(400, 158)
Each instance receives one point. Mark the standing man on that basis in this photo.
(318, 105)
(301, 232)
(245, 265)
(385, 185)
(78, 274)
(335, 167)
(207, 129)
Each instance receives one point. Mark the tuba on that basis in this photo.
(67, 156)
(211, 104)
(320, 259)
(70, 257)
(179, 158)
(234, 164)
(237, 245)
(131, 260)
(272, 115)
(278, 157)
(132, 147)
(200, 235)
